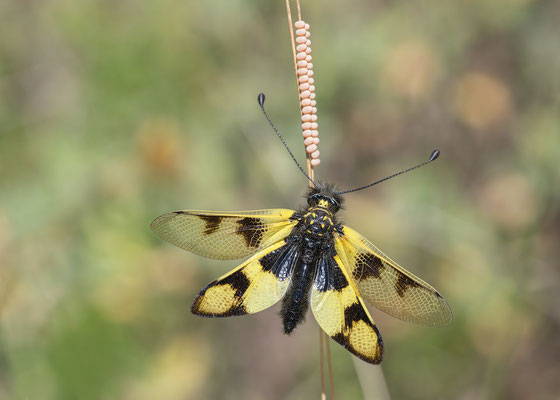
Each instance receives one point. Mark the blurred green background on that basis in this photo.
(113, 112)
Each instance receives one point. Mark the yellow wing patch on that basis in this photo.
(388, 286)
(255, 285)
(224, 235)
(341, 313)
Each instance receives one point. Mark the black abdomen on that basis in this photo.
(296, 301)
(314, 237)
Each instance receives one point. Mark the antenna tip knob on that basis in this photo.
(435, 154)
(261, 98)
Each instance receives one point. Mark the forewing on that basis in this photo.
(340, 312)
(224, 235)
(256, 284)
(388, 286)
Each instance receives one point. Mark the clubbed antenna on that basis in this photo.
(261, 98)
(434, 156)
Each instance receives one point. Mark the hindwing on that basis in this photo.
(255, 285)
(388, 286)
(224, 235)
(340, 311)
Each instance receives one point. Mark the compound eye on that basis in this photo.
(334, 203)
(314, 199)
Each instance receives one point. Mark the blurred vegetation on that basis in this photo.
(112, 113)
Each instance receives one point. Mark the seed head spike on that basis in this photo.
(306, 88)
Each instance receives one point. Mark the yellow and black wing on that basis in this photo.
(224, 235)
(340, 311)
(255, 285)
(388, 286)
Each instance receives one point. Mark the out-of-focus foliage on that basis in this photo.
(113, 112)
